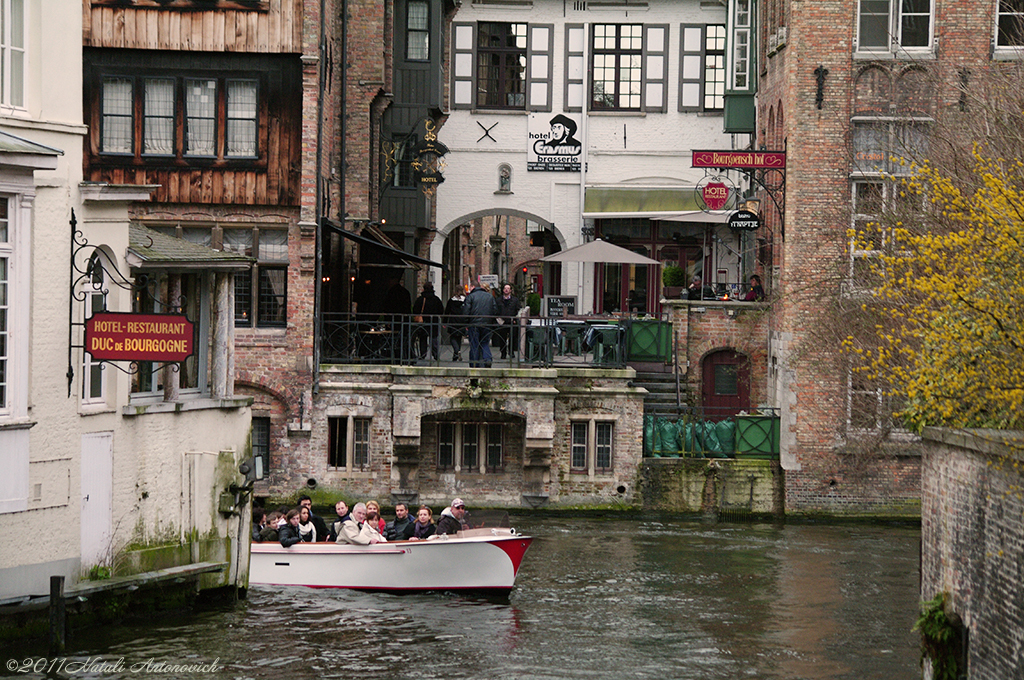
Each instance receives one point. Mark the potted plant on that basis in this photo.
(674, 279)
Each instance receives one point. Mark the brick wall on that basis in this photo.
(972, 541)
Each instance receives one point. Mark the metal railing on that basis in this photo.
(713, 433)
(405, 339)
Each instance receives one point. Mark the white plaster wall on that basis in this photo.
(166, 476)
(621, 148)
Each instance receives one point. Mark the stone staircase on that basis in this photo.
(661, 392)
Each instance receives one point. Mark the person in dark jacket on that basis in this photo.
(318, 522)
(401, 529)
(479, 309)
(453, 320)
(423, 527)
(452, 518)
(259, 518)
(428, 330)
(341, 510)
(508, 335)
(269, 533)
(289, 532)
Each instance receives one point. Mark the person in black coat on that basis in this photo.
(453, 320)
(423, 528)
(318, 522)
(401, 529)
(428, 308)
(289, 532)
(479, 310)
(341, 510)
(508, 336)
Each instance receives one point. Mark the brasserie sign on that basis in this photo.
(123, 336)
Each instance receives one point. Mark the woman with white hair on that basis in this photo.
(357, 531)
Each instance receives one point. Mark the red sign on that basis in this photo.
(715, 195)
(739, 159)
(120, 336)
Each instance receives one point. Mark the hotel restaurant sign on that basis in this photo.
(121, 336)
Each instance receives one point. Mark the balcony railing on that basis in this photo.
(713, 433)
(406, 340)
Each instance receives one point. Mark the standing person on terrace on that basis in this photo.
(508, 307)
(479, 310)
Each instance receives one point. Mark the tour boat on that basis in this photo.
(485, 559)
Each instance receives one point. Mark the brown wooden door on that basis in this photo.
(726, 384)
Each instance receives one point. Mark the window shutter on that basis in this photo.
(655, 72)
(575, 71)
(463, 72)
(539, 53)
(691, 67)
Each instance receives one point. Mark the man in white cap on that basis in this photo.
(451, 521)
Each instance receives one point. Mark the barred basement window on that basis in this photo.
(469, 439)
(261, 440)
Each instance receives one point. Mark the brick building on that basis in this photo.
(842, 87)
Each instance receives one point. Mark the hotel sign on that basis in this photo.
(120, 336)
(744, 160)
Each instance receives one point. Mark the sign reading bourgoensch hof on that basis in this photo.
(775, 160)
(121, 336)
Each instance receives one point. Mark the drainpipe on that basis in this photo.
(584, 145)
(318, 213)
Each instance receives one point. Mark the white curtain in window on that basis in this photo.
(241, 123)
(158, 107)
(117, 115)
(200, 117)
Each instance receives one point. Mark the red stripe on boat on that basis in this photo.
(515, 549)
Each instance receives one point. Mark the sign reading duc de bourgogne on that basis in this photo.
(121, 336)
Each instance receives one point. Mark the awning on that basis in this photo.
(366, 241)
(149, 249)
(676, 204)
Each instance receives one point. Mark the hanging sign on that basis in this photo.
(715, 195)
(751, 160)
(121, 336)
(744, 220)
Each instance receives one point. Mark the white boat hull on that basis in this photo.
(478, 559)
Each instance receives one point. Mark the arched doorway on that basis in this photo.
(725, 386)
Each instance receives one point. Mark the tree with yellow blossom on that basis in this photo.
(943, 309)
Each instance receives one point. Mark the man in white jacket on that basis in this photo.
(357, 531)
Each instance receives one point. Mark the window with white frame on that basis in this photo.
(702, 73)
(890, 26)
(471, 446)
(617, 56)
(348, 442)
(591, 446)
(742, 34)
(95, 289)
(417, 30)
(1010, 25)
(12, 52)
(502, 65)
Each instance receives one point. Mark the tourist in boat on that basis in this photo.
(401, 529)
(357, 531)
(423, 527)
(452, 518)
(373, 514)
(318, 522)
(307, 530)
(259, 520)
(269, 532)
(341, 510)
(289, 532)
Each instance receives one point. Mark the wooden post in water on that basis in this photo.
(58, 619)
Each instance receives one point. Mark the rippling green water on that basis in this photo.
(594, 599)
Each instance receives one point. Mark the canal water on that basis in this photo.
(594, 599)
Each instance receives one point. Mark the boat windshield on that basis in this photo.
(477, 519)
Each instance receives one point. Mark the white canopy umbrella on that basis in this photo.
(599, 251)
